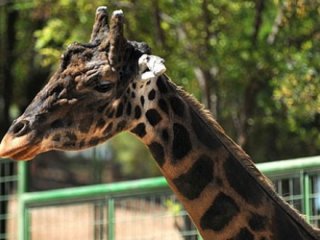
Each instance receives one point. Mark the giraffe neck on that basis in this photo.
(224, 194)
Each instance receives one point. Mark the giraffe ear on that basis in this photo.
(116, 39)
(100, 26)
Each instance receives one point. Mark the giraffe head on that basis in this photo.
(82, 104)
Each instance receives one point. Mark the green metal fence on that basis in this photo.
(142, 209)
(8, 186)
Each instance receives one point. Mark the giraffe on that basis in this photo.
(110, 85)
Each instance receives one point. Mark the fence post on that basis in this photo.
(306, 196)
(23, 229)
(111, 219)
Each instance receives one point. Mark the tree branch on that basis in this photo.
(298, 41)
(207, 23)
(276, 25)
(260, 6)
(157, 17)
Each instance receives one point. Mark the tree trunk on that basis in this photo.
(12, 16)
(8, 44)
(160, 35)
(209, 97)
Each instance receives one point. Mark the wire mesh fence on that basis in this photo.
(315, 199)
(65, 221)
(302, 191)
(8, 209)
(144, 209)
(157, 217)
(154, 216)
(291, 189)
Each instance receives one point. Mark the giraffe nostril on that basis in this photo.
(20, 128)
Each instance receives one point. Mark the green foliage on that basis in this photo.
(263, 57)
(173, 207)
(135, 160)
(53, 34)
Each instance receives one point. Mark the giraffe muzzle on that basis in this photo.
(16, 143)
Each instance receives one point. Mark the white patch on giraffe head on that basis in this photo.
(155, 65)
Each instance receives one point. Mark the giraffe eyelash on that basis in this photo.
(104, 87)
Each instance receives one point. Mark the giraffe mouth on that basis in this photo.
(18, 148)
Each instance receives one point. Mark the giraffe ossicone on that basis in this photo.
(110, 85)
(117, 12)
(101, 9)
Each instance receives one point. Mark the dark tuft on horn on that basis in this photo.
(141, 47)
(100, 27)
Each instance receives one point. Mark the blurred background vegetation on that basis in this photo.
(254, 63)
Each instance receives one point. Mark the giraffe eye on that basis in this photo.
(103, 87)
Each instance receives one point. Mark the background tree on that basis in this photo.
(254, 64)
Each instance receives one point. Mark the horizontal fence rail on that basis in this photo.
(298, 181)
